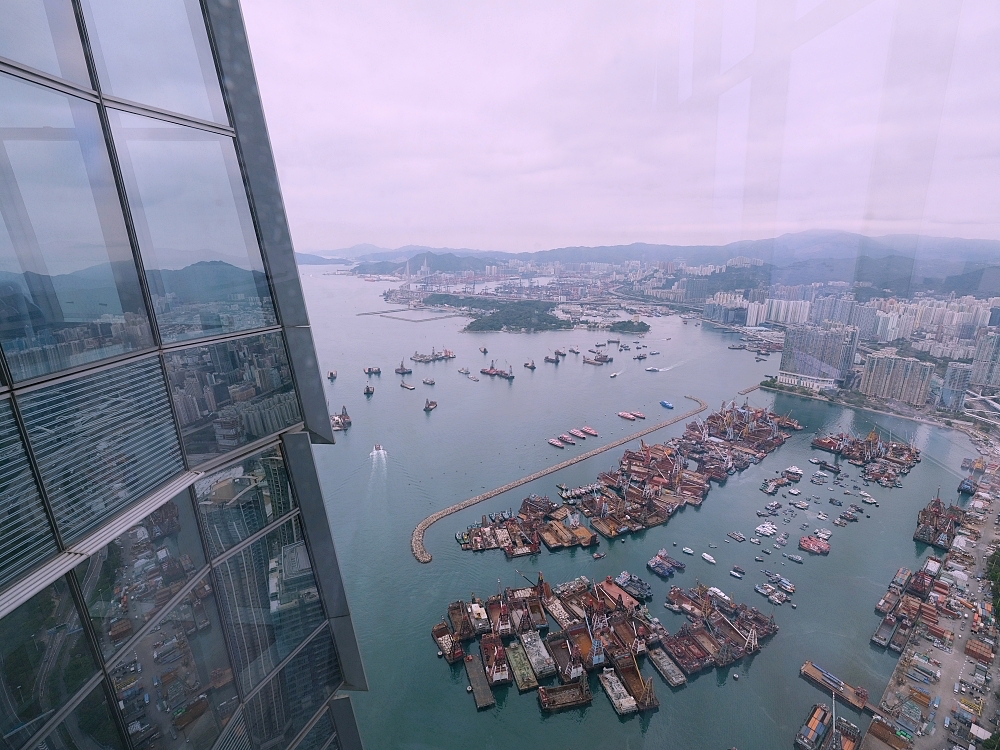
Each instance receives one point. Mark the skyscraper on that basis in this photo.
(815, 357)
(160, 513)
(986, 361)
(956, 381)
(891, 377)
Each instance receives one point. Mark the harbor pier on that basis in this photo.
(417, 538)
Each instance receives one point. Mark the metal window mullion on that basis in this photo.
(219, 338)
(67, 708)
(273, 675)
(323, 709)
(173, 411)
(258, 445)
(27, 73)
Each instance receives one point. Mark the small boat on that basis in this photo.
(626, 415)
(687, 550)
(666, 405)
(378, 448)
(654, 352)
(373, 371)
(758, 559)
(369, 390)
(638, 415)
(560, 352)
(483, 350)
(577, 433)
(652, 369)
(616, 374)
(597, 555)
(473, 378)
(407, 386)
(464, 370)
(332, 375)
(589, 430)
(530, 364)
(428, 381)
(556, 443)
(403, 369)
(707, 558)
(735, 574)
(567, 439)
(429, 405)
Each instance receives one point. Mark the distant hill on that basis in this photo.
(445, 263)
(305, 259)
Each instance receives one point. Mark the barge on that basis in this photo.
(621, 701)
(666, 667)
(561, 697)
(449, 646)
(524, 676)
(542, 664)
(477, 680)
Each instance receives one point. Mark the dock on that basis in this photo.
(666, 667)
(855, 697)
(417, 539)
(477, 679)
(524, 677)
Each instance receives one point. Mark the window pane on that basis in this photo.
(182, 666)
(43, 35)
(231, 393)
(241, 499)
(194, 227)
(69, 291)
(130, 580)
(236, 737)
(89, 727)
(25, 535)
(46, 659)
(155, 53)
(289, 700)
(102, 441)
(269, 600)
(319, 735)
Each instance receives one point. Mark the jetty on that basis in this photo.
(751, 389)
(855, 697)
(477, 679)
(417, 538)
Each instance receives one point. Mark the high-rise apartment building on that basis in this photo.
(986, 361)
(888, 376)
(161, 520)
(956, 381)
(815, 357)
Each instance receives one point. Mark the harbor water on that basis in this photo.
(487, 433)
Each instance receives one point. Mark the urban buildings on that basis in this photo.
(986, 361)
(888, 376)
(160, 514)
(956, 381)
(815, 357)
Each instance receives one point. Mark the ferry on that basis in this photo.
(567, 439)
(530, 364)
(577, 433)
(556, 443)
(369, 390)
(589, 430)
(429, 405)
(687, 550)
(428, 381)
(626, 415)
(707, 558)
(666, 405)
(407, 386)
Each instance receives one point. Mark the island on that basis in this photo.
(493, 314)
(630, 326)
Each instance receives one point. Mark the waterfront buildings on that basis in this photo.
(986, 361)
(815, 357)
(956, 381)
(161, 522)
(888, 376)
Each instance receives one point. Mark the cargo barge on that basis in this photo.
(666, 667)
(542, 664)
(477, 680)
(621, 701)
(883, 633)
(448, 646)
(814, 731)
(563, 697)
(524, 676)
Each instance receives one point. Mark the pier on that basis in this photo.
(417, 539)
(751, 389)
(856, 698)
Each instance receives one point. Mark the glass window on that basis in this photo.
(177, 681)
(317, 737)
(135, 575)
(43, 35)
(236, 736)
(155, 53)
(26, 538)
(194, 227)
(269, 600)
(46, 659)
(69, 291)
(88, 727)
(231, 393)
(102, 441)
(289, 700)
(241, 499)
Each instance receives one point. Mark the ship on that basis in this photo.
(634, 586)
(666, 405)
(428, 381)
(638, 415)
(560, 352)
(552, 360)
(373, 371)
(589, 430)
(884, 631)
(556, 443)
(403, 369)
(332, 375)
(497, 669)
(430, 405)
(407, 386)
(898, 641)
(530, 364)
(707, 558)
(464, 370)
(369, 390)
(626, 415)
(687, 550)
(621, 701)
(966, 487)
(561, 697)
(567, 439)
(813, 732)
(574, 350)
(814, 545)
(735, 574)
(340, 421)
(507, 374)
(473, 378)
(577, 433)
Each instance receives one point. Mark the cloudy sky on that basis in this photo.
(522, 126)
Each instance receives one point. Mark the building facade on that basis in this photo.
(815, 357)
(161, 519)
(888, 376)
(957, 378)
(986, 361)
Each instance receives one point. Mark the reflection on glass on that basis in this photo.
(25, 535)
(231, 393)
(269, 600)
(43, 35)
(320, 734)
(155, 53)
(135, 575)
(88, 727)
(102, 440)
(177, 683)
(69, 291)
(194, 227)
(283, 706)
(236, 736)
(243, 498)
(45, 660)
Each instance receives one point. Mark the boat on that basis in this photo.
(814, 731)
(378, 448)
(574, 350)
(654, 352)
(560, 352)
(589, 430)
(638, 415)
(369, 390)
(621, 701)
(626, 415)
(736, 536)
(556, 443)
(483, 350)
(599, 555)
(530, 364)
(652, 369)
(373, 371)
(577, 433)
(616, 374)
(739, 570)
(430, 405)
(735, 574)
(473, 378)
(403, 369)
(567, 439)
(687, 550)
(634, 586)
(707, 558)
(666, 405)
(428, 381)
(407, 386)
(332, 375)
(552, 360)
(758, 559)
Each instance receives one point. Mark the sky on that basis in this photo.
(522, 126)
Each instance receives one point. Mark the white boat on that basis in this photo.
(687, 550)
(707, 558)
(616, 374)
(734, 574)
(794, 491)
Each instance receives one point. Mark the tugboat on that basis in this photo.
(332, 375)
(369, 390)
(430, 406)
(530, 364)
(403, 369)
